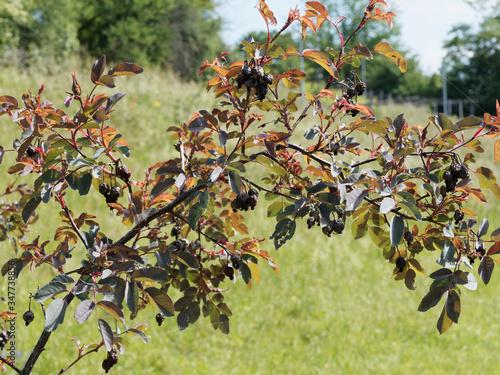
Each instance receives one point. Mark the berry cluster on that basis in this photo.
(110, 361)
(253, 77)
(408, 236)
(458, 216)
(352, 91)
(451, 176)
(160, 317)
(479, 249)
(4, 338)
(181, 244)
(244, 201)
(337, 224)
(28, 317)
(335, 147)
(111, 194)
(400, 263)
(123, 172)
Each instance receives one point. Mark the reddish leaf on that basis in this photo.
(496, 150)
(322, 59)
(112, 310)
(125, 68)
(494, 249)
(432, 298)
(7, 103)
(410, 279)
(98, 69)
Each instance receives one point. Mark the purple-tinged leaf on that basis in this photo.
(83, 311)
(485, 269)
(98, 69)
(432, 298)
(54, 315)
(107, 334)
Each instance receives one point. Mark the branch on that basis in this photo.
(11, 365)
(40, 345)
(160, 212)
(80, 356)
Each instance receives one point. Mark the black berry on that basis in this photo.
(236, 261)
(448, 175)
(160, 317)
(28, 317)
(310, 222)
(115, 192)
(458, 216)
(176, 231)
(104, 188)
(408, 236)
(400, 263)
(335, 147)
(123, 172)
(338, 226)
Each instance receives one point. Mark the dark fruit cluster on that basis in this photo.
(110, 361)
(244, 201)
(480, 247)
(30, 151)
(111, 194)
(458, 216)
(408, 236)
(253, 77)
(176, 231)
(236, 261)
(4, 338)
(400, 263)
(229, 272)
(160, 317)
(335, 147)
(181, 244)
(455, 172)
(350, 93)
(28, 317)
(123, 172)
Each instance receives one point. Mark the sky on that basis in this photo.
(425, 24)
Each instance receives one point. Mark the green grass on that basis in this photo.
(334, 310)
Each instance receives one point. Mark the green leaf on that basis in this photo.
(149, 274)
(387, 205)
(54, 315)
(113, 99)
(483, 228)
(485, 269)
(444, 322)
(466, 123)
(138, 333)
(432, 298)
(188, 259)
(441, 274)
(107, 334)
(183, 319)
(284, 231)
(162, 300)
(161, 186)
(224, 324)
(411, 209)
(112, 310)
(84, 184)
(235, 182)
(311, 133)
(115, 139)
(132, 296)
(453, 307)
(72, 181)
(396, 230)
(63, 278)
(49, 290)
(83, 311)
(195, 214)
(30, 207)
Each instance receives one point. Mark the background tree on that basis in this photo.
(471, 62)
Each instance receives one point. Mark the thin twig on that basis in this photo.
(80, 356)
(12, 366)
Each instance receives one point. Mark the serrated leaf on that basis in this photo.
(162, 300)
(106, 334)
(54, 315)
(83, 311)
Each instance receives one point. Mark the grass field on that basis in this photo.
(334, 310)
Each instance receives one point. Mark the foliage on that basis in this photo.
(470, 63)
(167, 33)
(185, 231)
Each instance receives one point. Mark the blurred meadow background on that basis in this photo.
(334, 309)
